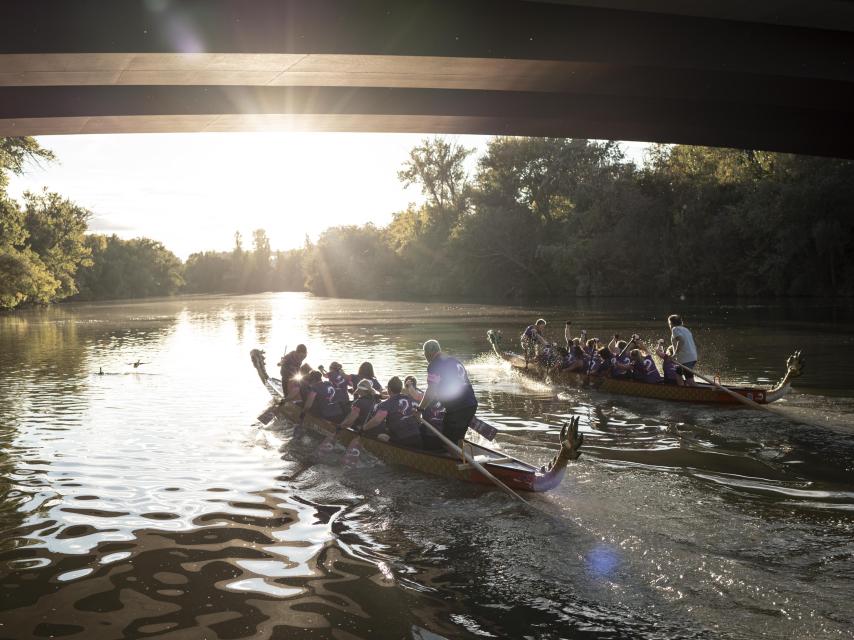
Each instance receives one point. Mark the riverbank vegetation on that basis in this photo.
(537, 218)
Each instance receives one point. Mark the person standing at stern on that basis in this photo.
(448, 382)
(684, 349)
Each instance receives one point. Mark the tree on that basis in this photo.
(353, 262)
(136, 268)
(56, 228)
(439, 167)
(41, 245)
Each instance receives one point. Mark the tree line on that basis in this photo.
(540, 218)
(548, 218)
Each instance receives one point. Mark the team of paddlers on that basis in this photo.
(631, 359)
(395, 413)
(358, 400)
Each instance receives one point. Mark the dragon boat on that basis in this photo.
(701, 393)
(515, 473)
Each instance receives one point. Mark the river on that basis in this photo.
(148, 502)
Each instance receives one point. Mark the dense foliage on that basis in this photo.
(135, 268)
(546, 217)
(241, 271)
(41, 242)
(540, 218)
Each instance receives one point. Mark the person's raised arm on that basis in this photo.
(612, 346)
(659, 349)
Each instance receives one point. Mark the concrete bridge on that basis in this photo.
(759, 74)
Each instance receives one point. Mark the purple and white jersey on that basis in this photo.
(669, 367)
(646, 371)
(324, 401)
(619, 373)
(599, 366)
(339, 382)
(530, 332)
(435, 414)
(447, 377)
(401, 422)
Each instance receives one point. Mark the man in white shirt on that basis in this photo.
(684, 349)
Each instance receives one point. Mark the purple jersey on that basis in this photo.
(600, 366)
(530, 332)
(620, 373)
(646, 371)
(448, 379)
(324, 405)
(669, 367)
(435, 414)
(401, 420)
(339, 381)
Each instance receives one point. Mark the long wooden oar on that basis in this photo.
(751, 403)
(474, 463)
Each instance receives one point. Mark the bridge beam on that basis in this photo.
(461, 66)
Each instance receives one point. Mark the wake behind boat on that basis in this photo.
(516, 474)
(699, 393)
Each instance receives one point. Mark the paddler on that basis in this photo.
(339, 380)
(290, 363)
(448, 383)
(434, 414)
(396, 418)
(365, 399)
(533, 339)
(321, 400)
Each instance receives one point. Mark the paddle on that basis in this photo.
(628, 344)
(474, 463)
(483, 428)
(748, 401)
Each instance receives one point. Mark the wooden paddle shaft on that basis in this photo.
(739, 397)
(751, 403)
(470, 460)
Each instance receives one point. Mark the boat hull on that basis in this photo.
(699, 394)
(516, 474)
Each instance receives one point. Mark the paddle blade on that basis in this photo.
(483, 428)
(268, 416)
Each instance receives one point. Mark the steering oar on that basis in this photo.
(751, 403)
(474, 463)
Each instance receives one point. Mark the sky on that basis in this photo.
(192, 191)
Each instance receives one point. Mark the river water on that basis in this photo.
(149, 502)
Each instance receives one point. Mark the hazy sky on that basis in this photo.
(193, 191)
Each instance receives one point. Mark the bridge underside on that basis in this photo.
(469, 66)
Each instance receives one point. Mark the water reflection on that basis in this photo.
(144, 503)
